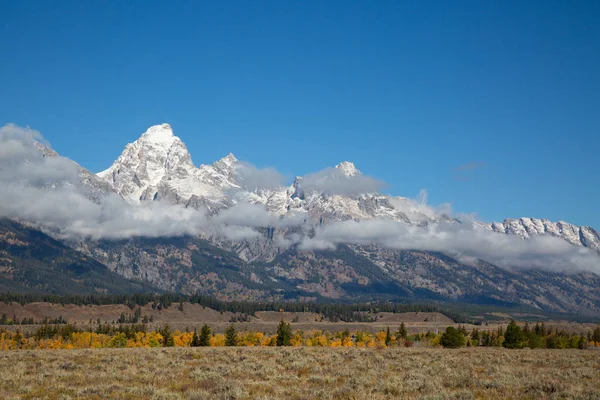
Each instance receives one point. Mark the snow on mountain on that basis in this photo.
(95, 187)
(158, 166)
(526, 228)
(323, 207)
(348, 169)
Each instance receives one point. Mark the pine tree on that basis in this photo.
(486, 339)
(475, 336)
(513, 338)
(402, 332)
(138, 314)
(168, 340)
(195, 339)
(388, 337)
(596, 335)
(230, 336)
(284, 334)
(543, 330)
(452, 338)
(205, 334)
(582, 344)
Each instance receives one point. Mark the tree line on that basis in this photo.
(517, 337)
(69, 336)
(334, 312)
(5, 320)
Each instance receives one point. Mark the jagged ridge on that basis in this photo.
(158, 166)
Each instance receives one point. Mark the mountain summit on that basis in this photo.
(147, 164)
(348, 169)
(159, 166)
(243, 234)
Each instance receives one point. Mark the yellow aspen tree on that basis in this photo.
(217, 340)
(266, 341)
(183, 339)
(259, 338)
(323, 340)
(380, 339)
(297, 339)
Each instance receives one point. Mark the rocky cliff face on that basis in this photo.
(352, 273)
(32, 261)
(267, 260)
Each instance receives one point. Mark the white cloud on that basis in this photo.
(255, 216)
(250, 177)
(238, 233)
(245, 214)
(334, 181)
(316, 244)
(48, 190)
(461, 240)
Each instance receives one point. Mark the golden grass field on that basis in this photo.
(299, 373)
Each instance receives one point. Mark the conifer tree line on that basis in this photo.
(517, 337)
(14, 320)
(69, 336)
(334, 312)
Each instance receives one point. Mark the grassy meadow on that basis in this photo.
(299, 373)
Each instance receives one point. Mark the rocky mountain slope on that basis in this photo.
(95, 187)
(349, 271)
(257, 240)
(30, 260)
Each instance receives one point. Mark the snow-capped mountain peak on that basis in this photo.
(158, 166)
(348, 169)
(158, 155)
(161, 135)
(227, 163)
(160, 130)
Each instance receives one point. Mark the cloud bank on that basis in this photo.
(251, 178)
(464, 241)
(42, 187)
(48, 190)
(333, 181)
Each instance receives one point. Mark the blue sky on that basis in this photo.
(491, 106)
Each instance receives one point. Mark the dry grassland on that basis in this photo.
(299, 373)
(194, 316)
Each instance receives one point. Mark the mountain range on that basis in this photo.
(155, 220)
